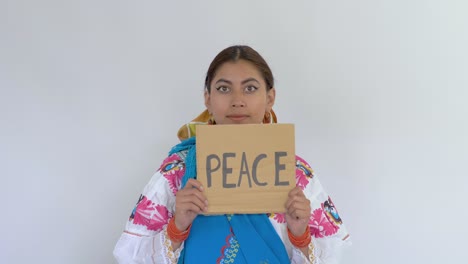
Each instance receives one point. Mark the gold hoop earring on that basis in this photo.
(267, 118)
(211, 120)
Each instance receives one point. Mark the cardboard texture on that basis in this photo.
(246, 168)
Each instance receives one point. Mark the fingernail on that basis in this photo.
(206, 202)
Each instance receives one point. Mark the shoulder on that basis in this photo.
(157, 200)
(173, 163)
(172, 170)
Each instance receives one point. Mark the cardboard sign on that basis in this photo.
(246, 168)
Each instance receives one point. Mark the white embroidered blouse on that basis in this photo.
(145, 239)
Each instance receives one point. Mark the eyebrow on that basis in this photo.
(243, 82)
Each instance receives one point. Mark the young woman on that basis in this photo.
(167, 225)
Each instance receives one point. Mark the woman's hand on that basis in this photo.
(297, 212)
(190, 201)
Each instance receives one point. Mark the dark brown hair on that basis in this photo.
(236, 53)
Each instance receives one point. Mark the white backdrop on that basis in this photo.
(93, 92)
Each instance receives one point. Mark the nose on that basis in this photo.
(238, 104)
(237, 100)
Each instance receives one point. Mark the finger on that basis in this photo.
(299, 209)
(299, 214)
(299, 206)
(192, 199)
(291, 199)
(188, 208)
(191, 207)
(192, 183)
(195, 199)
(297, 199)
(297, 191)
(192, 192)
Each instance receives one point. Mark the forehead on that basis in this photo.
(240, 69)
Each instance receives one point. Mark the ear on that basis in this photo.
(206, 94)
(271, 95)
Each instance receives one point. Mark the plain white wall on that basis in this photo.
(93, 92)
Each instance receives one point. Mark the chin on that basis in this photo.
(250, 122)
(235, 122)
(246, 121)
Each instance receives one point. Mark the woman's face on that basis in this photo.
(239, 94)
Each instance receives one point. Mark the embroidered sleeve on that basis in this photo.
(296, 255)
(145, 238)
(172, 256)
(279, 224)
(329, 234)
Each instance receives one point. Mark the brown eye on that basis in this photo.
(250, 89)
(223, 89)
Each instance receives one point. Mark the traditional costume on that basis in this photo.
(236, 238)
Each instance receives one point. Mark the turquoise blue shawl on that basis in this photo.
(238, 238)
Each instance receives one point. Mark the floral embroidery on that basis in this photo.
(146, 213)
(303, 173)
(311, 252)
(134, 209)
(229, 250)
(173, 169)
(168, 250)
(319, 224)
(331, 212)
(279, 217)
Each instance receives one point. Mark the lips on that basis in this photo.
(237, 117)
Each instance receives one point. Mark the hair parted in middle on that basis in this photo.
(236, 53)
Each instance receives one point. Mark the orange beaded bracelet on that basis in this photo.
(175, 234)
(300, 241)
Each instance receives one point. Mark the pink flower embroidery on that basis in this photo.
(154, 217)
(303, 173)
(173, 170)
(279, 217)
(319, 224)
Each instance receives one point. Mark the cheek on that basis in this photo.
(261, 106)
(218, 106)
